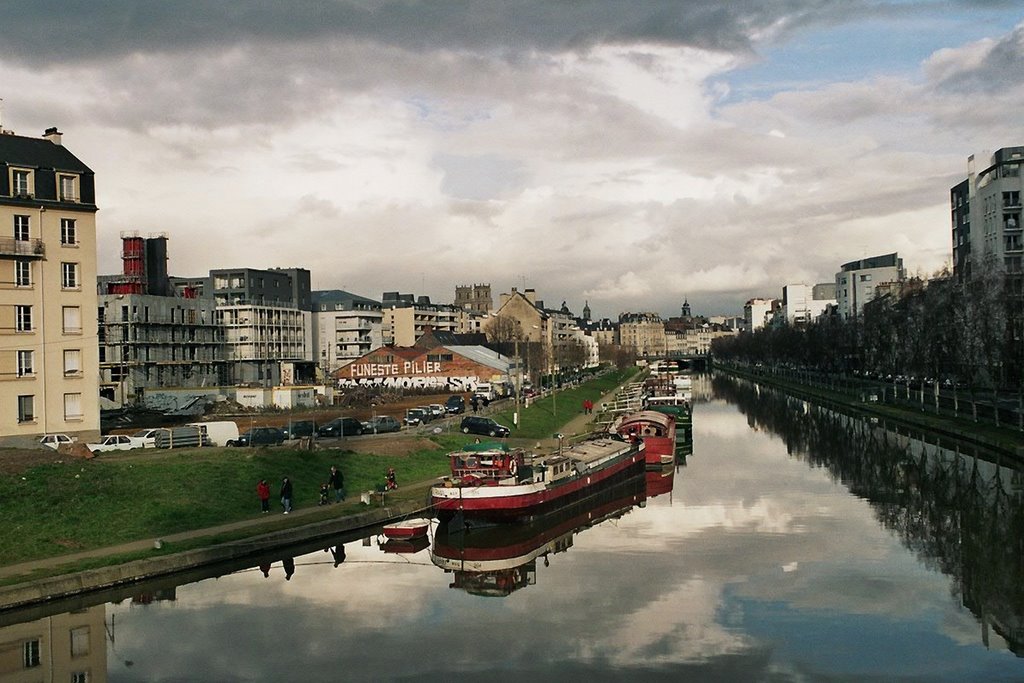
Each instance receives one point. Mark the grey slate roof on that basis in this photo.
(18, 150)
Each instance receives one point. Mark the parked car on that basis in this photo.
(300, 429)
(259, 436)
(455, 404)
(55, 440)
(428, 414)
(436, 410)
(415, 416)
(381, 424)
(147, 437)
(114, 442)
(341, 426)
(471, 424)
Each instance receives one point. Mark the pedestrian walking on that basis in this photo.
(286, 495)
(391, 479)
(325, 490)
(263, 491)
(337, 481)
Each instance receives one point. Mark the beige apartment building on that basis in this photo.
(48, 351)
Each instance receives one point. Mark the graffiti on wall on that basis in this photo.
(453, 384)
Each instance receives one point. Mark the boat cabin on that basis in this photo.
(645, 424)
(486, 461)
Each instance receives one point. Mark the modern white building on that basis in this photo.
(856, 282)
(801, 306)
(756, 313)
(986, 215)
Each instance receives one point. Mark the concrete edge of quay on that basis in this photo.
(871, 411)
(37, 592)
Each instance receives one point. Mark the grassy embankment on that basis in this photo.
(78, 505)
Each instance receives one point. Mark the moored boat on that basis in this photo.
(656, 430)
(490, 482)
(406, 529)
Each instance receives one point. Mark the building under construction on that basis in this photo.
(150, 337)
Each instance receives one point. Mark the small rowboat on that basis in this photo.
(406, 529)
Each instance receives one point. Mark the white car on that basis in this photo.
(114, 442)
(147, 437)
(436, 410)
(55, 440)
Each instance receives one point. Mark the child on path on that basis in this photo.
(324, 492)
(392, 481)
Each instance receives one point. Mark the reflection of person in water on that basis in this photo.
(289, 568)
(339, 554)
(265, 568)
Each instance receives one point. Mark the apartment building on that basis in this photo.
(803, 304)
(644, 332)
(346, 326)
(48, 352)
(756, 313)
(856, 283)
(406, 317)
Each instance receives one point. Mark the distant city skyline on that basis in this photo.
(633, 155)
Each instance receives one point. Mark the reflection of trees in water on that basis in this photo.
(959, 508)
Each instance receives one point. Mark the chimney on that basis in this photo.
(53, 135)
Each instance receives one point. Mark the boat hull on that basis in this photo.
(409, 529)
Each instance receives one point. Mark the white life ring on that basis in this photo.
(513, 467)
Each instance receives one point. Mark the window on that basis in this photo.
(26, 363)
(68, 191)
(69, 276)
(22, 273)
(80, 677)
(26, 409)
(72, 320)
(23, 318)
(20, 186)
(72, 362)
(73, 411)
(80, 635)
(21, 228)
(68, 231)
(865, 278)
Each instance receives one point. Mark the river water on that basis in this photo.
(794, 544)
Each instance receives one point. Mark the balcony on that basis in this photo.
(34, 249)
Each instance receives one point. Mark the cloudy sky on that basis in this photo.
(632, 154)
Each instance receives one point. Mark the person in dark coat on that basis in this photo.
(337, 482)
(263, 491)
(286, 495)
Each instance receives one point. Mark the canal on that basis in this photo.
(794, 543)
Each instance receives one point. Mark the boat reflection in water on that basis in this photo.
(660, 481)
(499, 560)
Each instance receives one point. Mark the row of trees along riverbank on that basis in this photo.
(968, 335)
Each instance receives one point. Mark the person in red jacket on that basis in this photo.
(263, 491)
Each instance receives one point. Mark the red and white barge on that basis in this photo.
(489, 482)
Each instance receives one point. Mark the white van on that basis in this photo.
(484, 390)
(219, 433)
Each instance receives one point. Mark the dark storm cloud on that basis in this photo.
(41, 32)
